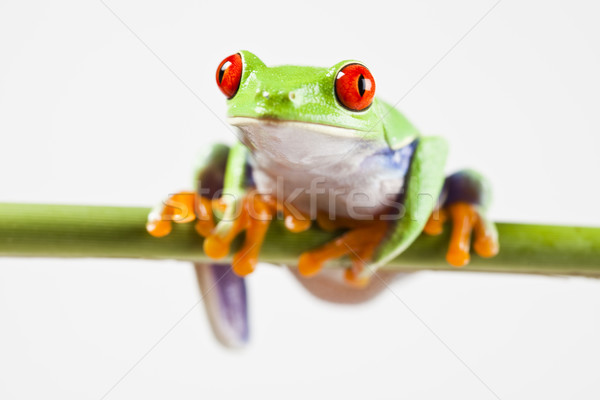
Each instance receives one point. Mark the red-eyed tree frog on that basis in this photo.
(316, 146)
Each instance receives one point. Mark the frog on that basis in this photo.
(317, 147)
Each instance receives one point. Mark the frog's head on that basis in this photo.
(318, 102)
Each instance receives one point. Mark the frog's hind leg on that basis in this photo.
(225, 300)
(464, 201)
(222, 291)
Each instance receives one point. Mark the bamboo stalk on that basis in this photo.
(39, 230)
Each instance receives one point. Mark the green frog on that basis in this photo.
(317, 146)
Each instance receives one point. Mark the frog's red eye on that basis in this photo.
(355, 87)
(229, 75)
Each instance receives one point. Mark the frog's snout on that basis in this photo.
(273, 98)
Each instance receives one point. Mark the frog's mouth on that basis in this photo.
(299, 126)
(299, 144)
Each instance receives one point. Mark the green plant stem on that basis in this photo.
(39, 230)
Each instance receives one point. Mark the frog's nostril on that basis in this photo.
(275, 96)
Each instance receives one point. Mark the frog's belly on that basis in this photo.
(360, 198)
(318, 168)
(356, 187)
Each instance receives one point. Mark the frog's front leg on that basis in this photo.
(253, 214)
(464, 200)
(377, 242)
(242, 209)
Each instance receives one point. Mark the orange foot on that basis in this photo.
(359, 243)
(466, 218)
(255, 215)
(180, 208)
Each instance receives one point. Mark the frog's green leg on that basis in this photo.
(244, 210)
(425, 180)
(365, 243)
(465, 199)
(223, 292)
(233, 220)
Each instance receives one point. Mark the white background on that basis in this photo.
(89, 115)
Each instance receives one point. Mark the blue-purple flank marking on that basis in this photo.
(397, 161)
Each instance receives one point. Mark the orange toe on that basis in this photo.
(244, 264)
(435, 224)
(458, 258)
(205, 223)
(309, 265)
(486, 246)
(159, 228)
(355, 280)
(204, 228)
(486, 239)
(180, 207)
(296, 225)
(215, 247)
(464, 217)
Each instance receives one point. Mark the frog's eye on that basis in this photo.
(229, 75)
(355, 87)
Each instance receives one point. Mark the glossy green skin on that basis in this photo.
(307, 94)
(313, 101)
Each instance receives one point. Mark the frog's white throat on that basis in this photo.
(300, 144)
